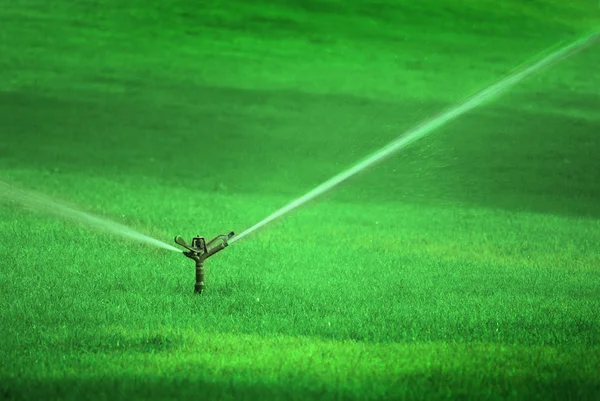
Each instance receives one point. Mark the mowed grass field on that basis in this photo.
(466, 266)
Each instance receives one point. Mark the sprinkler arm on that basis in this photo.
(180, 241)
(216, 249)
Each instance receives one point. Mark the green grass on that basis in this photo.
(464, 267)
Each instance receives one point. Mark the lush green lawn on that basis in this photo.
(464, 267)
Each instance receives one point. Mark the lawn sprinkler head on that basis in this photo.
(199, 250)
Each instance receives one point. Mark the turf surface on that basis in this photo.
(463, 267)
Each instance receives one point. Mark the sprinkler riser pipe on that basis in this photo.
(199, 287)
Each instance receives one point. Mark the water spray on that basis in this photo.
(200, 250)
(38, 202)
(431, 125)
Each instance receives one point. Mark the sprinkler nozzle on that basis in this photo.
(199, 250)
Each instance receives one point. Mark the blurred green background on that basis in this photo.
(278, 96)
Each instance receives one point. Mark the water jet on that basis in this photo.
(425, 128)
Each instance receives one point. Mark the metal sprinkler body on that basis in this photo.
(199, 250)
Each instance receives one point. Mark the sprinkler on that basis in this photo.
(199, 251)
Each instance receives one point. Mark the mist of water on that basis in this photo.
(430, 125)
(41, 203)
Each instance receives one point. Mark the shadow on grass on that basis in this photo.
(519, 160)
(433, 385)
